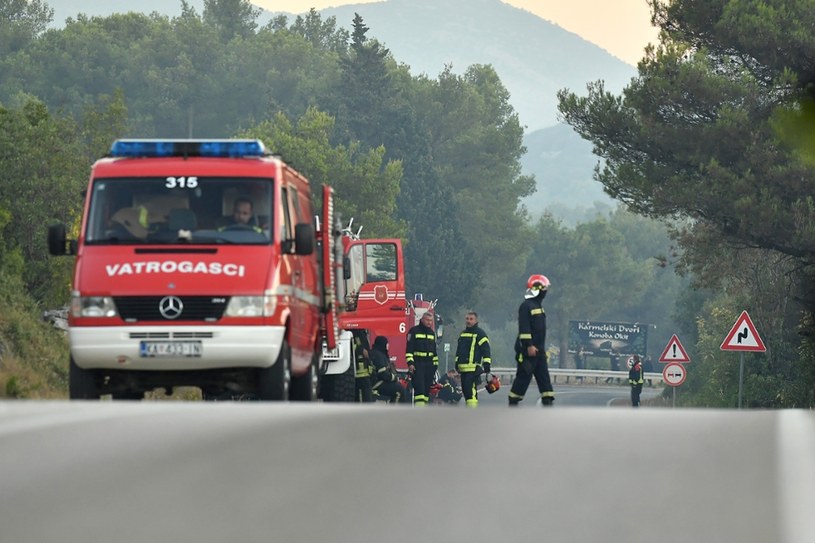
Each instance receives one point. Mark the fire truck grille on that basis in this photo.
(170, 308)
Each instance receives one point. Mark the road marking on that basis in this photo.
(796, 474)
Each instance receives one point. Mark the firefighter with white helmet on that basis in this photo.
(530, 346)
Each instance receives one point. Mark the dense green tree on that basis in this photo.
(365, 88)
(476, 144)
(232, 18)
(760, 282)
(650, 245)
(593, 274)
(375, 103)
(21, 21)
(693, 136)
(43, 169)
(700, 134)
(69, 68)
(291, 74)
(438, 260)
(321, 34)
(365, 184)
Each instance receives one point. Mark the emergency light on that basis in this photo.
(147, 148)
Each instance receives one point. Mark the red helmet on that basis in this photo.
(493, 383)
(538, 279)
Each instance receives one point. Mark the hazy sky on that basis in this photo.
(621, 27)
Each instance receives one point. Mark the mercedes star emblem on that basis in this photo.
(170, 307)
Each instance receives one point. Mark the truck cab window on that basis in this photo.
(154, 210)
(380, 260)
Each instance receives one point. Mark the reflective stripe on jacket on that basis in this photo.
(531, 326)
(421, 345)
(473, 349)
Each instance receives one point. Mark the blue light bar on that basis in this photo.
(186, 148)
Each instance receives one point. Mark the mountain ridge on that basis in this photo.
(548, 58)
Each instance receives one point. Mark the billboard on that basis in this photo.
(598, 338)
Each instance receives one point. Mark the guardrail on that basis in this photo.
(574, 376)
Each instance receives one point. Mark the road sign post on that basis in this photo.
(743, 337)
(674, 374)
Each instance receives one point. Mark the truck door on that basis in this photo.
(293, 270)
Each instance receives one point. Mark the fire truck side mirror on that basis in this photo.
(303, 239)
(346, 268)
(58, 244)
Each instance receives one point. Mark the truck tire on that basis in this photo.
(274, 382)
(305, 387)
(339, 388)
(81, 383)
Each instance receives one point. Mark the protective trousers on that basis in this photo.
(529, 366)
(422, 379)
(362, 389)
(391, 391)
(469, 384)
(635, 394)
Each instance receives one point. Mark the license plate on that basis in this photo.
(160, 349)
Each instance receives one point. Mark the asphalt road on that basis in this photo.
(569, 395)
(172, 471)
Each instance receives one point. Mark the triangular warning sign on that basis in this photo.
(674, 352)
(743, 336)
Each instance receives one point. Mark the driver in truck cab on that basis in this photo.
(243, 214)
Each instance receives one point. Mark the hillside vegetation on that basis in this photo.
(435, 160)
(463, 33)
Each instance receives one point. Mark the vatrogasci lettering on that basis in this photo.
(171, 266)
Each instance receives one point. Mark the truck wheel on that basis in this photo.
(304, 388)
(274, 382)
(81, 383)
(339, 388)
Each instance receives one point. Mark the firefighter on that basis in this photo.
(530, 352)
(421, 358)
(450, 392)
(635, 379)
(472, 357)
(387, 384)
(363, 367)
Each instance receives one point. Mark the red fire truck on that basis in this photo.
(373, 291)
(196, 266)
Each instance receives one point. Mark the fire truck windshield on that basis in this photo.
(200, 210)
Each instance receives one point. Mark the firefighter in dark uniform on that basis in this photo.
(421, 358)
(363, 368)
(530, 350)
(387, 384)
(472, 358)
(635, 379)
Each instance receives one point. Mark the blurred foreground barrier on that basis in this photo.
(589, 377)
